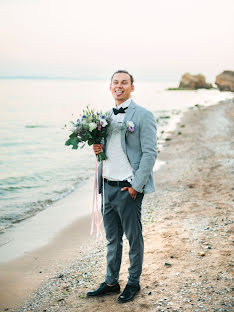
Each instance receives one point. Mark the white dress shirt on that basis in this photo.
(117, 167)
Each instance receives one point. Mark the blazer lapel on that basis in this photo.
(129, 113)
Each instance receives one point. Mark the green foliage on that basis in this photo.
(177, 89)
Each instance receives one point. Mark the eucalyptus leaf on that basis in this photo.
(73, 135)
(68, 142)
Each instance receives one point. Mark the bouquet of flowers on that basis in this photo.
(91, 127)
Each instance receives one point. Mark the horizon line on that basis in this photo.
(44, 77)
(28, 77)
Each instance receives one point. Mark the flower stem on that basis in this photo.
(101, 156)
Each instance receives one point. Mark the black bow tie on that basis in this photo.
(119, 111)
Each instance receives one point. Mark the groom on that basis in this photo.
(131, 153)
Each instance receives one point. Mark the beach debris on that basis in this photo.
(168, 139)
(176, 111)
(61, 275)
(167, 264)
(164, 117)
(198, 106)
(191, 185)
(202, 253)
(179, 133)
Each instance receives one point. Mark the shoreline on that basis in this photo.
(95, 253)
(41, 229)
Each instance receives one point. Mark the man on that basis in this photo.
(131, 153)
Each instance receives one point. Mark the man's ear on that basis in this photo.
(133, 88)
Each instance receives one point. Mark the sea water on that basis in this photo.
(36, 168)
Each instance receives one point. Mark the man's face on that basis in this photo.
(121, 87)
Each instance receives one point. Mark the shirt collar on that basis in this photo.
(124, 104)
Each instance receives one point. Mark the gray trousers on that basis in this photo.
(122, 215)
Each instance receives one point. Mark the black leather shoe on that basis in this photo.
(128, 293)
(104, 289)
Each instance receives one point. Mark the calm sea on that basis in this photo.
(36, 168)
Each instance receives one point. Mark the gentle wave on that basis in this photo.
(16, 180)
(15, 188)
(32, 208)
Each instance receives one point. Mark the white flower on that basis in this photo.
(73, 129)
(92, 126)
(130, 124)
(103, 122)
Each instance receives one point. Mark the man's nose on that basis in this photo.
(119, 85)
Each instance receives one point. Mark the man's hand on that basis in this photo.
(97, 148)
(131, 191)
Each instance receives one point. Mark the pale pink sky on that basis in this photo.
(154, 39)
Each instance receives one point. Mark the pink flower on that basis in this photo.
(99, 128)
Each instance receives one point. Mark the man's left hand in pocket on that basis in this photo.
(131, 191)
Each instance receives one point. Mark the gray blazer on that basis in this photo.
(140, 148)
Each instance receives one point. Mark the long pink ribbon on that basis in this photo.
(95, 211)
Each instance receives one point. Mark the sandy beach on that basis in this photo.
(188, 232)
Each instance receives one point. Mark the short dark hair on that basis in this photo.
(124, 72)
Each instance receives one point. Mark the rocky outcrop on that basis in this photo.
(193, 82)
(225, 81)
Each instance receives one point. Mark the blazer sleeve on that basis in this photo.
(148, 141)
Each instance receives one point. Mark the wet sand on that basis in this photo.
(23, 275)
(188, 231)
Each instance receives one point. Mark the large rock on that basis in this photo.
(193, 82)
(225, 81)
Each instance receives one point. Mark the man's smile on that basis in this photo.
(119, 92)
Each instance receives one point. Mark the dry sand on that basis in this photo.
(187, 231)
